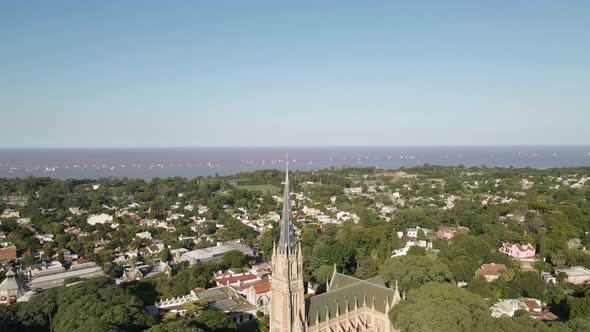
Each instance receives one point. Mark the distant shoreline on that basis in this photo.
(190, 162)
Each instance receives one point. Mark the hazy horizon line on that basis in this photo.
(280, 146)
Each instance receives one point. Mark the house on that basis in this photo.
(99, 219)
(413, 232)
(576, 274)
(9, 213)
(548, 277)
(518, 251)
(8, 253)
(132, 274)
(144, 235)
(151, 250)
(161, 267)
(509, 306)
(177, 254)
(490, 271)
(10, 289)
(221, 298)
(136, 273)
(574, 243)
(447, 233)
(534, 307)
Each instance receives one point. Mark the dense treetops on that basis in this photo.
(543, 207)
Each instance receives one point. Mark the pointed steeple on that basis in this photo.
(287, 239)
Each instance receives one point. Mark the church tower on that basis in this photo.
(287, 302)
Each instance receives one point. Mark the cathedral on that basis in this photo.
(349, 304)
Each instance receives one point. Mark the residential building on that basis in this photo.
(447, 233)
(413, 232)
(8, 253)
(490, 271)
(99, 219)
(222, 298)
(575, 274)
(548, 277)
(534, 307)
(518, 251)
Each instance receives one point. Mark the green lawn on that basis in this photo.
(265, 188)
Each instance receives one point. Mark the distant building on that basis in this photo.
(548, 277)
(55, 277)
(132, 274)
(99, 219)
(9, 213)
(518, 251)
(144, 235)
(10, 289)
(221, 298)
(574, 243)
(490, 271)
(8, 253)
(413, 232)
(447, 233)
(214, 253)
(534, 307)
(576, 275)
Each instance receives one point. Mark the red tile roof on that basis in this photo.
(262, 287)
(233, 279)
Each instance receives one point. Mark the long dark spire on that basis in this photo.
(287, 239)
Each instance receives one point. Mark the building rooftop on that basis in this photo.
(208, 253)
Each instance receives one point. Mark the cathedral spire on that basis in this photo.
(287, 239)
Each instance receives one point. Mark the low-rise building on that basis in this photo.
(518, 251)
(8, 253)
(576, 274)
(56, 277)
(10, 289)
(548, 277)
(447, 233)
(490, 271)
(99, 219)
(214, 253)
(221, 298)
(534, 307)
(413, 232)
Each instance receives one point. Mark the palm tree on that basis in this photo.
(559, 258)
(49, 308)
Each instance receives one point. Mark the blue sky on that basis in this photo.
(251, 73)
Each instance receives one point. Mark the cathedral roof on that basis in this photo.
(287, 238)
(344, 292)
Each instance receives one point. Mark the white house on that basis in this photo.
(99, 219)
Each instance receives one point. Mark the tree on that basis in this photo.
(211, 320)
(529, 284)
(106, 306)
(481, 287)
(165, 255)
(439, 307)
(414, 271)
(234, 259)
(579, 307)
